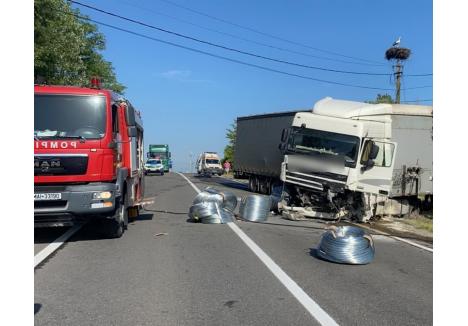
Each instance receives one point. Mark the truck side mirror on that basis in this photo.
(285, 135)
(282, 147)
(374, 151)
(369, 153)
(132, 131)
(130, 115)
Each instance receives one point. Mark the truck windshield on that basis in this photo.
(160, 155)
(211, 161)
(69, 116)
(311, 141)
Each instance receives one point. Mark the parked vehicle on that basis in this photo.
(162, 153)
(343, 158)
(88, 158)
(154, 166)
(209, 163)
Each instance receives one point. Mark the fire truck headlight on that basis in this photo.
(102, 195)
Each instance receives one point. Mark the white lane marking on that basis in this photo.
(310, 305)
(189, 182)
(395, 237)
(57, 243)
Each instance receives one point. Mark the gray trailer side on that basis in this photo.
(413, 134)
(256, 151)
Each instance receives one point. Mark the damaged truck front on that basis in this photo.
(355, 160)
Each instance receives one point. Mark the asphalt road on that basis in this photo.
(197, 274)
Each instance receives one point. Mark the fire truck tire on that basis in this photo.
(115, 227)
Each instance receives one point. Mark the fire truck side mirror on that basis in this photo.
(130, 115)
(132, 131)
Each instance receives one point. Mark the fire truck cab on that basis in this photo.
(88, 158)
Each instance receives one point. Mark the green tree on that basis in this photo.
(67, 50)
(231, 137)
(382, 98)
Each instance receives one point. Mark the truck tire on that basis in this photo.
(115, 226)
(251, 183)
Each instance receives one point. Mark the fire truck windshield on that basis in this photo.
(69, 116)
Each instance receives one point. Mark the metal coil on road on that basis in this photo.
(212, 206)
(346, 245)
(255, 208)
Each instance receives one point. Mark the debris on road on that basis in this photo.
(346, 245)
(255, 208)
(212, 206)
(159, 234)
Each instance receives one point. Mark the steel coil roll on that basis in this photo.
(206, 196)
(255, 208)
(209, 208)
(346, 245)
(229, 201)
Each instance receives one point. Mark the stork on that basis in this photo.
(397, 42)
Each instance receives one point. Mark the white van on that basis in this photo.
(209, 163)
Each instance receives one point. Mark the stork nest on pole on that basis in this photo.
(395, 53)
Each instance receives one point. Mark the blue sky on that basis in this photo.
(189, 99)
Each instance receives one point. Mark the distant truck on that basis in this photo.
(88, 158)
(209, 163)
(161, 152)
(343, 158)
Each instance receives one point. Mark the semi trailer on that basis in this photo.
(340, 159)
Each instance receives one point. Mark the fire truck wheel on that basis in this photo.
(115, 227)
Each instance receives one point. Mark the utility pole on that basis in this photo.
(398, 72)
(398, 55)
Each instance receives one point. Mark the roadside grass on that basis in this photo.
(423, 222)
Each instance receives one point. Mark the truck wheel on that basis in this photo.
(251, 184)
(115, 227)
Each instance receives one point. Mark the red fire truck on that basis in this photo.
(88, 158)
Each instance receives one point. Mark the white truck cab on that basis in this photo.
(344, 147)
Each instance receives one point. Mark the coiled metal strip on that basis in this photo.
(229, 200)
(346, 245)
(212, 206)
(255, 208)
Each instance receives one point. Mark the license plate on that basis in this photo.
(48, 196)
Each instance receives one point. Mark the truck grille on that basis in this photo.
(50, 204)
(317, 181)
(60, 164)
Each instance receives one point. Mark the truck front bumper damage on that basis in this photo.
(76, 203)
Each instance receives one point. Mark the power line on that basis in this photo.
(223, 57)
(266, 34)
(246, 39)
(228, 48)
